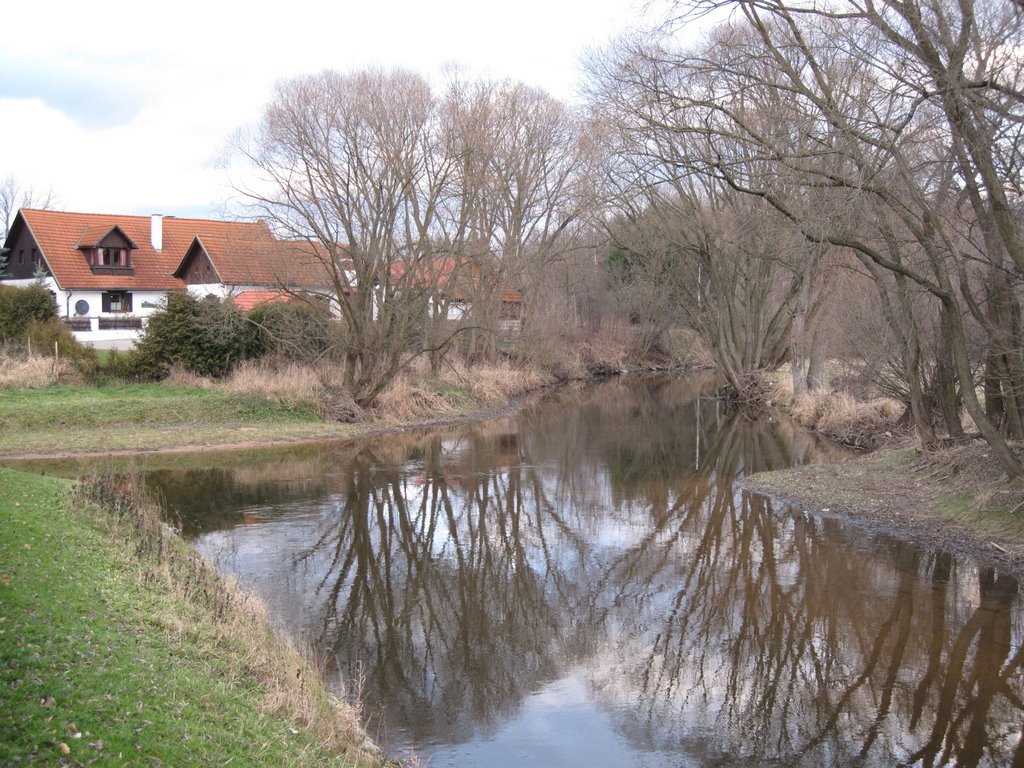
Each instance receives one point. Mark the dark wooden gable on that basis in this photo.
(115, 238)
(104, 236)
(197, 268)
(23, 253)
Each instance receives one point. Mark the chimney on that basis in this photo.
(156, 231)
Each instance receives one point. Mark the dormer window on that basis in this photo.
(110, 257)
(107, 249)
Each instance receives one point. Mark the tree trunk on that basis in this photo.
(945, 385)
(958, 347)
(816, 368)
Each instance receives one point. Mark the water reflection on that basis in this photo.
(585, 585)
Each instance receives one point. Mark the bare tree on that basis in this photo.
(743, 274)
(866, 125)
(522, 162)
(13, 197)
(350, 165)
(409, 202)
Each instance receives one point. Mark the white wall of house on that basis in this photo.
(456, 310)
(144, 304)
(220, 290)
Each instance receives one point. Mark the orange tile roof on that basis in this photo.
(459, 280)
(58, 234)
(94, 233)
(243, 253)
(246, 300)
(256, 257)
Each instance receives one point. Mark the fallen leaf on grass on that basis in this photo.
(64, 748)
(48, 703)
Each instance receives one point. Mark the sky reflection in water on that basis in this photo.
(584, 585)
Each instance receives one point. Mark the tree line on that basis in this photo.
(813, 165)
(809, 181)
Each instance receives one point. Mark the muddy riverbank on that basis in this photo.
(955, 500)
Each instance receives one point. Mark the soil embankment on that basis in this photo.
(955, 500)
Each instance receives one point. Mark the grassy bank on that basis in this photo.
(255, 406)
(956, 499)
(148, 417)
(119, 647)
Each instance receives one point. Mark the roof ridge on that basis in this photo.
(141, 216)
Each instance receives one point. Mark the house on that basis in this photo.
(109, 272)
(248, 265)
(453, 286)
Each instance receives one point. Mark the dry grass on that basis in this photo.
(33, 372)
(30, 373)
(497, 383)
(182, 377)
(287, 382)
(841, 417)
(291, 685)
(780, 388)
(406, 399)
(415, 395)
(611, 346)
(688, 347)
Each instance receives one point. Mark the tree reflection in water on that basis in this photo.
(603, 535)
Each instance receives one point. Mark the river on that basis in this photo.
(585, 584)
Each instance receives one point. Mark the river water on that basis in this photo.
(585, 584)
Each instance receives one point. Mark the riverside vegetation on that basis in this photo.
(954, 498)
(258, 404)
(205, 373)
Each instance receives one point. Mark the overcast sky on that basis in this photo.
(123, 107)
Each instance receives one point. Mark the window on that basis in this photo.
(117, 301)
(109, 260)
(510, 310)
(35, 256)
(111, 257)
(21, 256)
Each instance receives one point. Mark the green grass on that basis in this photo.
(139, 404)
(142, 417)
(93, 642)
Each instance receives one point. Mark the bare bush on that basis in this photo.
(839, 416)
(34, 372)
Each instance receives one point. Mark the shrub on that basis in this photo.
(207, 337)
(20, 306)
(47, 334)
(291, 330)
(123, 367)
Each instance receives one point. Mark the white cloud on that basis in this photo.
(125, 106)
